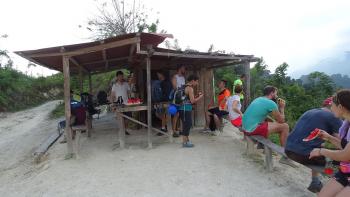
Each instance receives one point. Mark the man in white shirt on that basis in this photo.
(121, 89)
(234, 107)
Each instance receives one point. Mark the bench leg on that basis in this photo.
(76, 143)
(250, 145)
(268, 159)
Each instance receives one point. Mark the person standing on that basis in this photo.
(185, 109)
(120, 92)
(239, 82)
(166, 88)
(178, 81)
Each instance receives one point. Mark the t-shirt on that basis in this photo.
(257, 112)
(232, 114)
(121, 89)
(166, 89)
(180, 81)
(314, 118)
(222, 95)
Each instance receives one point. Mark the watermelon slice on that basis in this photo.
(312, 135)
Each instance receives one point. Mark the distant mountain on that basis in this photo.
(342, 81)
(330, 66)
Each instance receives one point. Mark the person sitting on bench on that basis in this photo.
(254, 118)
(339, 185)
(234, 107)
(299, 151)
(215, 113)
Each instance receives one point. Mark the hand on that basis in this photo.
(323, 135)
(281, 103)
(316, 152)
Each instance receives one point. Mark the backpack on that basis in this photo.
(88, 103)
(179, 95)
(102, 98)
(80, 115)
(156, 91)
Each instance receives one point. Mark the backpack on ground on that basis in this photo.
(79, 114)
(156, 91)
(179, 95)
(102, 98)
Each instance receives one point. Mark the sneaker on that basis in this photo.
(176, 135)
(187, 145)
(260, 146)
(161, 134)
(315, 187)
(213, 133)
(205, 130)
(287, 161)
(127, 133)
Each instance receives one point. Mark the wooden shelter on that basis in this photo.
(138, 52)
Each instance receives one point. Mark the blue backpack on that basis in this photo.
(156, 91)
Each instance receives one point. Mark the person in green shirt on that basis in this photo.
(239, 82)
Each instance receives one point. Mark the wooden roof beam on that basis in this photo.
(86, 50)
(72, 59)
(101, 61)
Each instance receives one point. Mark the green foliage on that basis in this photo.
(58, 111)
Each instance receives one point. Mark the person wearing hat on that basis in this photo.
(299, 151)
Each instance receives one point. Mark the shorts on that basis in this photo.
(342, 178)
(262, 129)
(237, 122)
(218, 112)
(304, 159)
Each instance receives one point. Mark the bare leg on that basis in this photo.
(217, 121)
(332, 188)
(207, 119)
(175, 119)
(344, 192)
(281, 128)
(164, 120)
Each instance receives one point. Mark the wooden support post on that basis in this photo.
(81, 83)
(268, 159)
(200, 105)
(246, 85)
(208, 90)
(90, 84)
(121, 123)
(68, 130)
(149, 102)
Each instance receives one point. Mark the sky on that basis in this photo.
(301, 33)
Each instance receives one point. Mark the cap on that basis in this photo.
(327, 102)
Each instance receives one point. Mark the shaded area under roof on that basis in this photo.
(126, 51)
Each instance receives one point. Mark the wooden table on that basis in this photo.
(120, 119)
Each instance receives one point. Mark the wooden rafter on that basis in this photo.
(92, 49)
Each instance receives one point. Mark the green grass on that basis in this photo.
(58, 111)
(275, 138)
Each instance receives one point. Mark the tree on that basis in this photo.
(4, 55)
(117, 17)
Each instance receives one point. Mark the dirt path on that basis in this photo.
(21, 133)
(217, 166)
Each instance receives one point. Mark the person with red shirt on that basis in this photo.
(218, 111)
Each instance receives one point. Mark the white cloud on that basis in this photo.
(297, 32)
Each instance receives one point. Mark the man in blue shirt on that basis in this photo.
(299, 151)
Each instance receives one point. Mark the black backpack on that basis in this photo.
(102, 98)
(179, 95)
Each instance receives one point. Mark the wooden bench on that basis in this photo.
(270, 147)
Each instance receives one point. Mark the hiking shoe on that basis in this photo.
(287, 161)
(260, 146)
(187, 145)
(161, 134)
(176, 135)
(315, 187)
